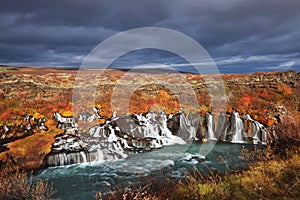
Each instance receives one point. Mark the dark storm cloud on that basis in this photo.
(258, 34)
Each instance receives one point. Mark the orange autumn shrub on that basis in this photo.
(284, 89)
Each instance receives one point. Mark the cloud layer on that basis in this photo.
(241, 36)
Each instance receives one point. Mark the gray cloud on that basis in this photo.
(234, 32)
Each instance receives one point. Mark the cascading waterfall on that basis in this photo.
(117, 139)
(127, 134)
(236, 132)
(259, 131)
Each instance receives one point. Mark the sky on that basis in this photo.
(241, 36)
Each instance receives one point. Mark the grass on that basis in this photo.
(4, 69)
(275, 179)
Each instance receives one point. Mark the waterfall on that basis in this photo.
(115, 139)
(264, 135)
(210, 131)
(123, 135)
(237, 129)
(57, 159)
(83, 157)
(259, 131)
(167, 137)
(187, 128)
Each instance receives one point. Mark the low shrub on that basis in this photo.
(16, 184)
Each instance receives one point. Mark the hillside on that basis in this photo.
(270, 98)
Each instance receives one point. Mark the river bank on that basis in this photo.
(273, 179)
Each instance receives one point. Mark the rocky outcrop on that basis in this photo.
(9, 133)
(26, 128)
(266, 80)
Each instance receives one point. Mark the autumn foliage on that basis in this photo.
(284, 89)
(44, 92)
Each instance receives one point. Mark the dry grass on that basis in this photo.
(131, 194)
(275, 179)
(16, 184)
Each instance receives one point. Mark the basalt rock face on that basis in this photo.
(67, 149)
(123, 135)
(265, 80)
(256, 80)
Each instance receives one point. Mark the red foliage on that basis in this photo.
(246, 100)
(6, 115)
(266, 94)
